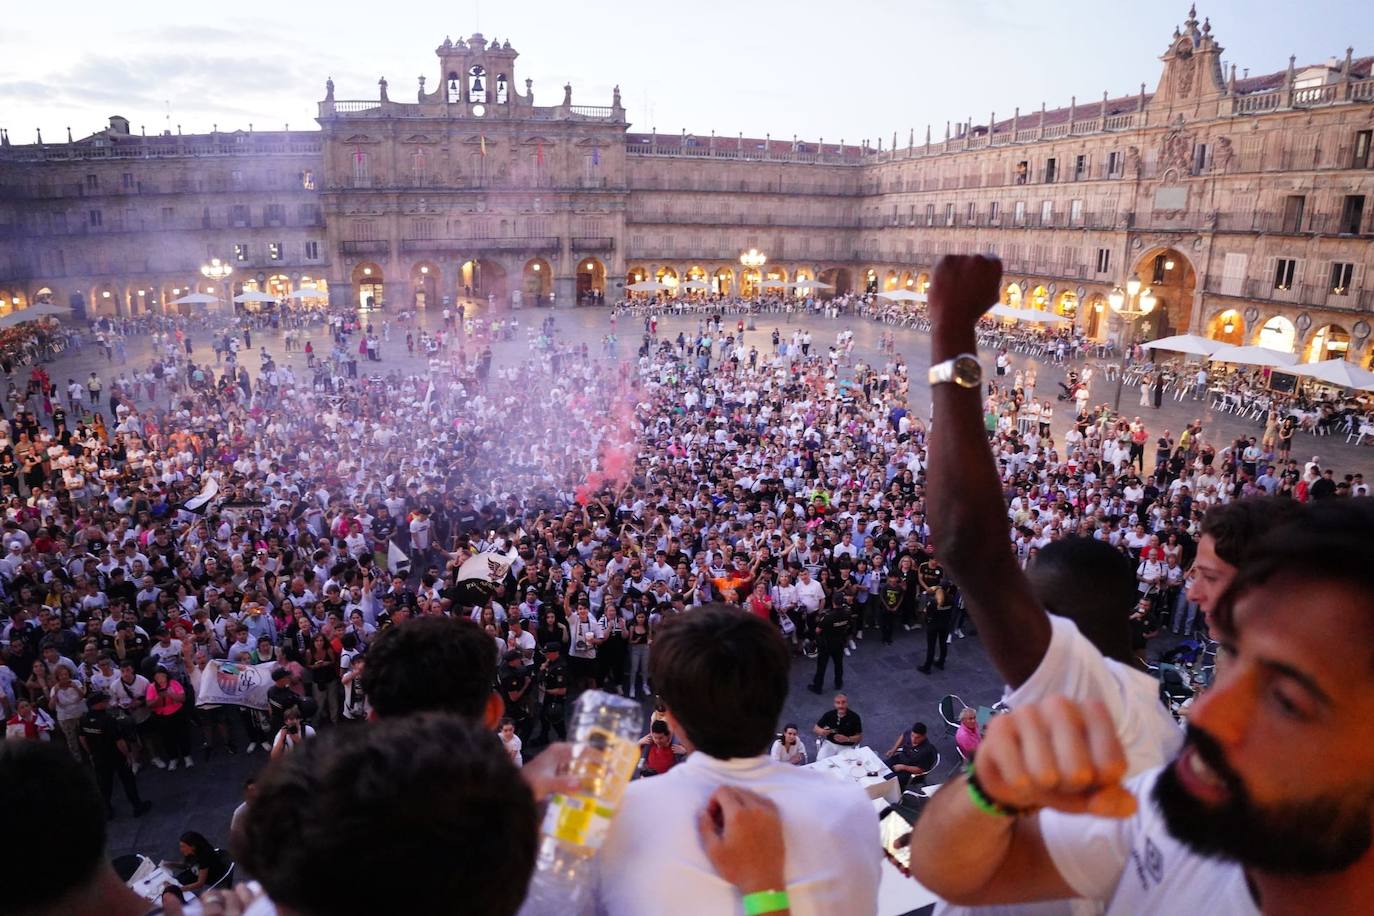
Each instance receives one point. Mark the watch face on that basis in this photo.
(967, 372)
(478, 110)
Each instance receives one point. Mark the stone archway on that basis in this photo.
(591, 278)
(891, 281)
(536, 281)
(482, 278)
(1277, 333)
(1011, 296)
(723, 281)
(1066, 304)
(369, 286)
(871, 280)
(1228, 326)
(425, 279)
(837, 277)
(1095, 317)
(1172, 280)
(1330, 341)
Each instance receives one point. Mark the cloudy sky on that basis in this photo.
(817, 68)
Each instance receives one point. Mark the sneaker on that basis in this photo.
(189, 762)
(267, 746)
(859, 634)
(846, 652)
(853, 645)
(135, 767)
(959, 633)
(171, 764)
(159, 763)
(252, 746)
(908, 627)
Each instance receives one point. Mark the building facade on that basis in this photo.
(1246, 204)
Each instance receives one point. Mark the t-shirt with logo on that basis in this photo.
(1134, 865)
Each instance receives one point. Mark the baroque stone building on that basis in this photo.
(1244, 202)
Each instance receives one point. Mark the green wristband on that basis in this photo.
(760, 902)
(983, 803)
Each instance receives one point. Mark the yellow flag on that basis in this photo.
(484, 144)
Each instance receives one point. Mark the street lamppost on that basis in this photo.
(216, 270)
(1130, 305)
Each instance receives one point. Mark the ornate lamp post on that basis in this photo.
(1130, 305)
(216, 270)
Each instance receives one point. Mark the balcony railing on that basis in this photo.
(364, 246)
(597, 243)
(483, 243)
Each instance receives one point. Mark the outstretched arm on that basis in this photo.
(968, 519)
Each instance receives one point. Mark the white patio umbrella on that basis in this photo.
(1193, 344)
(253, 295)
(1005, 312)
(696, 285)
(811, 285)
(903, 295)
(648, 286)
(1253, 356)
(1339, 372)
(1035, 316)
(308, 294)
(195, 299)
(772, 284)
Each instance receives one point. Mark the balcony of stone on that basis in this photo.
(364, 246)
(597, 243)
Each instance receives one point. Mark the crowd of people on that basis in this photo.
(200, 513)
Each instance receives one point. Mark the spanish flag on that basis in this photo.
(484, 144)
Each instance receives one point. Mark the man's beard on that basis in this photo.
(1321, 835)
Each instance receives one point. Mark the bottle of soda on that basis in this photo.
(605, 732)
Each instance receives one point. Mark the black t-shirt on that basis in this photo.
(849, 726)
(102, 735)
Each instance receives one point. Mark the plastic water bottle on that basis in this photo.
(605, 734)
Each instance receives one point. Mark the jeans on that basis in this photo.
(1185, 614)
(639, 667)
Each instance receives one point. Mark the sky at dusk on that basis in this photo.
(817, 69)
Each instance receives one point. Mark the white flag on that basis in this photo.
(396, 558)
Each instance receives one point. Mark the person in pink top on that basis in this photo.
(968, 737)
(167, 700)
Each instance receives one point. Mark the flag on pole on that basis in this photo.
(484, 144)
(201, 501)
(396, 559)
(429, 397)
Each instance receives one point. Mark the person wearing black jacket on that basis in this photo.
(939, 619)
(832, 634)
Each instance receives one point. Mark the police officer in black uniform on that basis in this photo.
(553, 677)
(832, 634)
(104, 743)
(516, 682)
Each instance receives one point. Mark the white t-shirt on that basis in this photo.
(1134, 865)
(1073, 668)
(652, 861)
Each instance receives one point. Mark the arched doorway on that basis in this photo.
(668, 277)
(536, 281)
(1096, 309)
(1039, 299)
(1012, 295)
(44, 296)
(1172, 281)
(803, 274)
(636, 274)
(723, 281)
(749, 280)
(106, 299)
(870, 280)
(9, 301)
(369, 286)
(591, 278)
(424, 280)
(1278, 333)
(908, 280)
(481, 278)
(891, 281)
(278, 285)
(1330, 341)
(1067, 305)
(837, 277)
(922, 282)
(1227, 326)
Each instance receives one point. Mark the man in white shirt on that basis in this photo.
(1217, 829)
(722, 673)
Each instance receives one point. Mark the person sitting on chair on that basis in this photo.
(202, 866)
(912, 755)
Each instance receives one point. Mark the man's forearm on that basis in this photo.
(956, 849)
(969, 523)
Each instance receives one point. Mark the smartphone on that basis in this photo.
(893, 827)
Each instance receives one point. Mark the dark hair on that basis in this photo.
(1323, 541)
(722, 672)
(659, 727)
(1237, 525)
(1091, 583)
(43, 787)
(918, 728)
(410, 790)
(430, 664)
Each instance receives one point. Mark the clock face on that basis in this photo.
(479, 110)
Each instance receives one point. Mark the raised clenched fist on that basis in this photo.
(1055, 754)
(964, 287)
